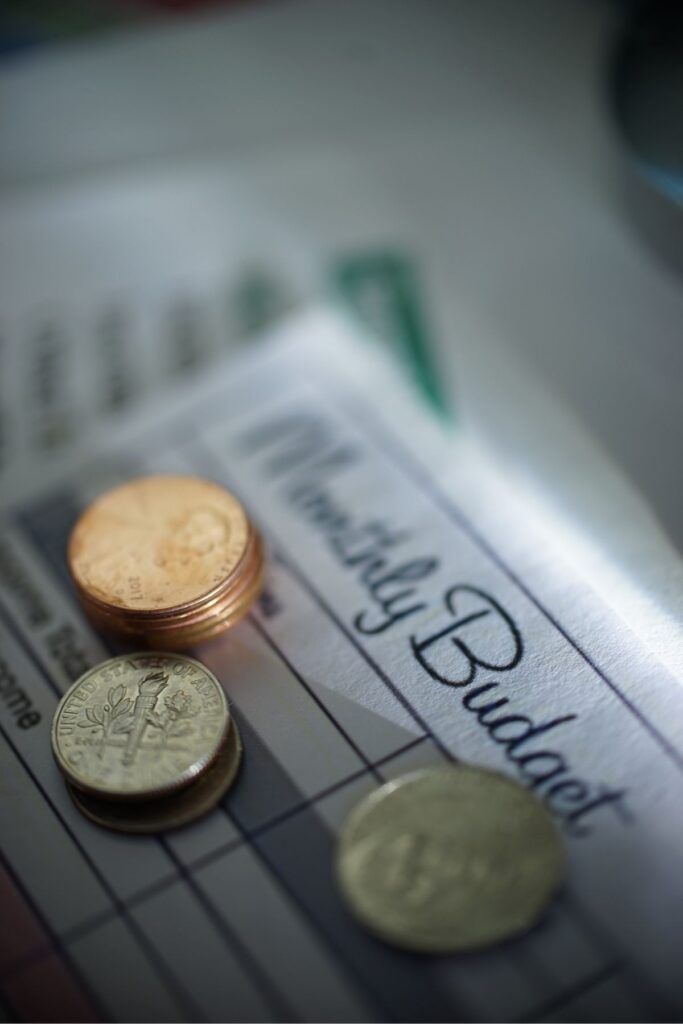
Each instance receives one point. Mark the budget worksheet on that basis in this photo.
(414, 613)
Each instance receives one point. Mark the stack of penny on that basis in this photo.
(166, 561)
(146, 742)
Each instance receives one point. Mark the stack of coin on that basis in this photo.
(449, 859)
(146, 742)
(166, 561)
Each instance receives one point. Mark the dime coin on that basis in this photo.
(140, 726)
(167, 561)
(449, 859)
(170, 812)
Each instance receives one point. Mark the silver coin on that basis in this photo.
(170, 812)
(140, 726)
(449, 859)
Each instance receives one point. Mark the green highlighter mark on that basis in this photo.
(383, 290)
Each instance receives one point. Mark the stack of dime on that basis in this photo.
(166, 561)
(450, 859)
(146, 742)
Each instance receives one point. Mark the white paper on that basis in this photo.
(382, 534)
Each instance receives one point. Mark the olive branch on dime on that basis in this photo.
(113, 717)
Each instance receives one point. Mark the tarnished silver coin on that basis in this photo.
(170, 812)
(449, 859)
(140, 726)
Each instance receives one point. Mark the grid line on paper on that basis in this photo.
(406, 704)
(312, 591)
(598, 935)
(371, 964)
(323, 794)
(580, 988)
(251, 967)
(604, 940)
(277, 649)
(246, 955)
(53, 944)
(120, 909)
(320, 601)
(42, 670)
(104, 917)
(118, 906)
(249, 963)
(397, 453)
(209, 459)
(184, 999)
(270, 866)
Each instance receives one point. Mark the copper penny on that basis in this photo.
(158, 544)
(180, 630)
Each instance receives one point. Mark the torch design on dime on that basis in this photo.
(146, 742)
(145, 702)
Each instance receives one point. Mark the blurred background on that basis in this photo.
(492, 189)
